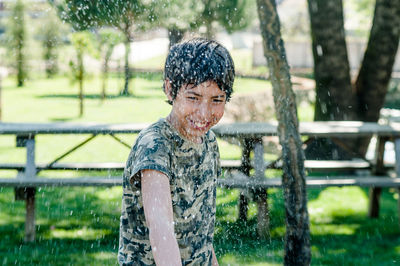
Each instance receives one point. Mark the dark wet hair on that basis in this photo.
(199, 60)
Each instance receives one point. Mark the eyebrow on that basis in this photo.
(199, 95)
(194, 93)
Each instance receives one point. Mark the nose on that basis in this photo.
(204, 110)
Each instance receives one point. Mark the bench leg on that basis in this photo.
(30, 230)
(379, 169)
(374, 195)
(245, 168)
(398, 204)
(262, 214)
(243, 206)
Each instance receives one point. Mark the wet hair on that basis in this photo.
(196, 61)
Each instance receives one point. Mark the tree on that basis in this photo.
(233, 15)
(107, 40)
(178, 17)
(181, 16)
(16, 40)
(82, 44)
(1, 109)
(336, 97)
(297, 239)
(126, 16)
(50, 38)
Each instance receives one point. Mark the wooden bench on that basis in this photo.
(236, 180)
(105, 166)
(57, 182)
(239, 180)
(67, 166)
(249, 135)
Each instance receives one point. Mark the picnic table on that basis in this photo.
(249, 134)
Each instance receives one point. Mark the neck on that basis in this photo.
(175, 124)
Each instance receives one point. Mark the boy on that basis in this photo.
(169, 182)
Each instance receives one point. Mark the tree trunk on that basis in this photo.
(377, 65)
(125, 91)
(127, 30)
(105, 77)
(80, 80)
(20, 65)
(209, 30)
(175, 36)
(331, 65)
(376, 69)
(0, 97)
(297, 239)
(336, 98)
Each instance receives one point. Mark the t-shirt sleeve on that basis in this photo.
(152, 151)
(219, 169)
(215, 150)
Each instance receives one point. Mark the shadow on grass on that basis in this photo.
(63, 119)
(80, 226)
(151, 75)
(97, 96)
(74, 226)
(238, 244)
(58, 251)
(336, 239)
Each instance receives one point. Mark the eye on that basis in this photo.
(218, 100)
(192, 98)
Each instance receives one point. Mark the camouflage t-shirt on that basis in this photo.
(192, 170)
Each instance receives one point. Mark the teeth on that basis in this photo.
(200, 124)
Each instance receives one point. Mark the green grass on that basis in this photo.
(79, 226)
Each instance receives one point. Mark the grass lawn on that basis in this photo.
(79, 226)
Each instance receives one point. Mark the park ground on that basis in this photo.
(79, 226)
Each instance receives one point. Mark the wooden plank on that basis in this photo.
(67, 166)
(231, 164)
(69, 128)
(239, 180)
(252, 129)
(30, 168)
(312, 129)
(235, 182)
(334, 165)
(312, 164)
(226, 164)
(56, 182)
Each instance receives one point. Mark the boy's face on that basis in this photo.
(196, 108)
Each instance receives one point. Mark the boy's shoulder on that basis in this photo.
(158, 129)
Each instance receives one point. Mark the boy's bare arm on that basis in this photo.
(214, 259)
(157, 206)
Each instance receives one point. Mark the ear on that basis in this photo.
(168, 89)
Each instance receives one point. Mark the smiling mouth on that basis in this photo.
(200, 125)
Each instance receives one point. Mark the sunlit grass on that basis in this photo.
(78, 233)
(79, 226)
(56, 100)
(333, 207)
(88, 220)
